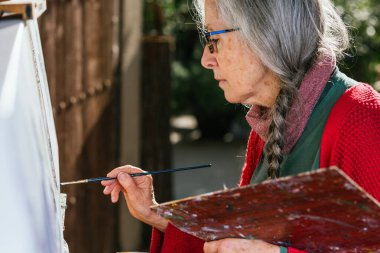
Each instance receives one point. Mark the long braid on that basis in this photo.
(275, 143)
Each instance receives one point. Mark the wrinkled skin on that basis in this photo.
(138, 193)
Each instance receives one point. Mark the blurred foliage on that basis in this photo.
(194, 89)
(196, 92)
(171, 15)
(363, 19)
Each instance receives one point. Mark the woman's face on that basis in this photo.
(240, 73)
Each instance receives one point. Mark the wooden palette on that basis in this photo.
(321, 211)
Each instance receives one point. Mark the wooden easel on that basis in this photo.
(27, 9)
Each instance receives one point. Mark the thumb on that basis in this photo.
(211, 247)
(125, 180)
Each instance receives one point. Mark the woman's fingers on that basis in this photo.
(239, 245)
(123, 182)
(113, 187)
(126, 181)
(108, 189)
(108, 182)
(126, 169)
(115, 193)
(138, 194)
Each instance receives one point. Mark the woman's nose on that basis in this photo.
(208, 60)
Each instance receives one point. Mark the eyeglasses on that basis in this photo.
(212, 43)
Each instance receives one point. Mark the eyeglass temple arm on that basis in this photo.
(221, 31)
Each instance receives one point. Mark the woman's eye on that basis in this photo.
(214, 41)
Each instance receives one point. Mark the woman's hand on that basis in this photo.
(232, 245)
(138, 193)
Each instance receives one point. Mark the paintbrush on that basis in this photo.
(97, 179)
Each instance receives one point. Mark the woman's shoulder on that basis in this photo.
(358, 108)
(358, 98)
(351, 138)
(354, 118)
(362, 93)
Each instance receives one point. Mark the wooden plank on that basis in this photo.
(27, 9)
(321, 211)
(76, 39)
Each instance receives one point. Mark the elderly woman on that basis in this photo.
(278, 57)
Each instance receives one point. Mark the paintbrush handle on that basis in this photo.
(97, 179)
(169, 170)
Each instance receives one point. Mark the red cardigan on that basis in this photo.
(351, 141)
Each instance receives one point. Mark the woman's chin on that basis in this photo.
(231, 99)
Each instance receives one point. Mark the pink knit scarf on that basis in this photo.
(310, 90)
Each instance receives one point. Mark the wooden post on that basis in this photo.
(130, 53)
(155, 114)
(155, 104)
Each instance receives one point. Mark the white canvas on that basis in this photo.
(30, 213)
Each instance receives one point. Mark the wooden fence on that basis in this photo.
(80, 43)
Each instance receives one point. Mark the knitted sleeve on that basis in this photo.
(351, 140)
(254, 149)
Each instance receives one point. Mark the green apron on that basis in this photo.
(305, 154)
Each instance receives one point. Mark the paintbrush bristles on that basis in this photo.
(75, 182)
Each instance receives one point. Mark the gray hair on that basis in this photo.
(287, 36)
